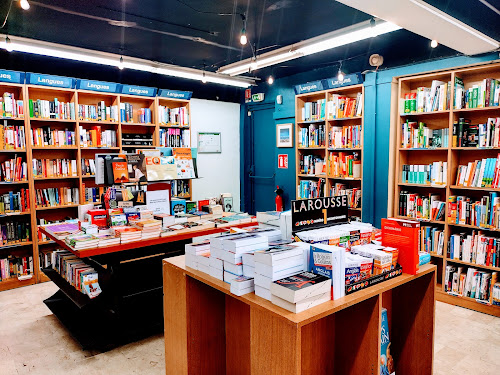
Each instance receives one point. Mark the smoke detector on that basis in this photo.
(376, 60)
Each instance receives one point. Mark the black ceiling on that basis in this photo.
(163, 30)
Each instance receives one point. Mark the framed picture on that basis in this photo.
(284, 135)
(209, 143)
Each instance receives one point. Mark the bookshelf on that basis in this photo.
(454, 156)
(87, 107)
(329, 137)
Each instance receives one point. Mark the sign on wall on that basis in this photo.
(283, 161)
(209, 142)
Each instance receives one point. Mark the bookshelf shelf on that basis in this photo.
(99, 148)
(55, 178)
(437, 255)
(494, 108)
(345, 149)
(447, 112)
(174, 126)
(13, 151)
(50, 120)
(17, 244)
(97, 122)
(345, 178)
(12, 118)
(457, 187)
(13, 283)
(55, 148)
(13, 182)
(89, 176)
(16, 214)
(345, 118)
(454, 156)
(311, 148)
(422, 185)
(311, 122)
(312, 175)
(473, 264)
(355, 209)
(57, 207)
(136, 124)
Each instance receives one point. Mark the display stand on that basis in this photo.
(130, 305)
(208, 330)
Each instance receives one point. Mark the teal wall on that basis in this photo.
(377, 117)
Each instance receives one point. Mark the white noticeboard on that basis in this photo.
(209, 142)
(158, 201)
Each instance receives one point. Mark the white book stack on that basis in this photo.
(274, 264)
(194, 251)
(272, 234)
(242, 285)
(248, 265)
(217, 252)
(300, 292)
(330, 261)
(233, 249)
(216, 267)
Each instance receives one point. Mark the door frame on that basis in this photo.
(247, 154)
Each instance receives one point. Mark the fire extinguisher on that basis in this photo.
(279, 199)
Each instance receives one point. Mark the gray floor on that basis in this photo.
(32, 341)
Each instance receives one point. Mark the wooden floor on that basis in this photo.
(32, 341)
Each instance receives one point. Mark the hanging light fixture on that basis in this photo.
(24, 4)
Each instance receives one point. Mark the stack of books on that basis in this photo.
(193, 253)
(81, 241)
(150, 228)
(242, 285)
(300, 292)
(276, 263)
(330, 261)
(106, 239)
(127, 234)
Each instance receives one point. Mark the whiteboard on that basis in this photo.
(209, 142)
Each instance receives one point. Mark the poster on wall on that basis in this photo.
(209, 142)
(284, 135)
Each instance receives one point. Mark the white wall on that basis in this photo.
(219, 173)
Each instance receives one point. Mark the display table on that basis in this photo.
(130, 305)
(208, 330)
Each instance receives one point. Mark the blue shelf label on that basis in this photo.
(48, 80)
(138, 90)
(11, 76)
(349, 80)
(175, 94)
(84, 84)
(309, 87)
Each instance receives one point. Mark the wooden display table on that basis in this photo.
(208, 330)
(130, 306)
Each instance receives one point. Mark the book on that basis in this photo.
(301, 286)
(404, 235)
(120, 171)
(312, 135)
(173, 116)
(329, 261)
(349, 136)
(184, 163)
(386, 361)
(302, 305)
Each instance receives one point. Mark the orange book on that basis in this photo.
(404, 236)
(120, 171)
(97, 131)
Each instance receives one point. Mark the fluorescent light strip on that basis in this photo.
(309, 47)
(457, 23)
(96, 57)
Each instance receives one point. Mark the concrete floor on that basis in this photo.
(32, 341)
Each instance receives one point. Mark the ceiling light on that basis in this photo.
(204, 78)
(38, 47)
(254, 65)
(270, 80)
(8, 44)
(351, 34)
(340, 76)
(24, 4)
(243, 37)
(434, 43)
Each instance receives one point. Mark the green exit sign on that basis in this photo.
(258, 97)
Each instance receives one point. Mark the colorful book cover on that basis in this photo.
(184, 162)
(160, 168)
(403, 235)
(120, 172)
(386, 360)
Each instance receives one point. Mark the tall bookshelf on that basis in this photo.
(77, 151)
(327, 149)
(453, 156)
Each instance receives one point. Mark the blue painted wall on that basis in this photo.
(377, 117)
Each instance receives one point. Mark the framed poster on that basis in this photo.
(209, 142)
(284, 135)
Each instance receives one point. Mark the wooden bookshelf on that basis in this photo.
(454, 156)
(325, 150)
(76, 152)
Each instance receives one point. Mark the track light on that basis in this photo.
(254, 65)
(24, 4)
(434, 43)
(243, 37)
(120, 64)
(340, 76)
(270, 80)
(8, 44)
(204, 78)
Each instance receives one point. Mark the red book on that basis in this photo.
(403, 235)
(203, 202)
(98, 134)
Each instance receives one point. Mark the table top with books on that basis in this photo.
(304, 317)
(86, 240)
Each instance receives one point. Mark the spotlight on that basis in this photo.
(120, 64)
(434, 43)
(253, 65)
(24, 4)
(340, 76)
(243, 37)
(8, 44)
(203, 78)
(270, 80)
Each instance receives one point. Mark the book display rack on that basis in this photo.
(329, 144)
(448, 126)
(209, 330)
(47, 137)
